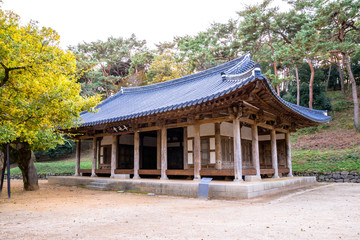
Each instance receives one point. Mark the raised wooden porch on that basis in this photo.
(187, 172)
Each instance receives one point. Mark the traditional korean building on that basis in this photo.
(224, 121)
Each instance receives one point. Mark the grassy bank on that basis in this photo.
(336, 146)
(326, 160)
(55, 167)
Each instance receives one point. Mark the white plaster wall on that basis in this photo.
(207, 129)
(226, 129)
(267, 137)
(127, 139)
(246, 133)
(107, 140)
(190, 145)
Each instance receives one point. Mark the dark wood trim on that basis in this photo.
(149, 171)
(124, 171)
(186, 172)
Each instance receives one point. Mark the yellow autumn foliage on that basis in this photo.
(39, 93)
(165, 67)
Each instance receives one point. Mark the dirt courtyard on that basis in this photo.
(326, 211)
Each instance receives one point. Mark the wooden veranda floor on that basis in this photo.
(186, 172)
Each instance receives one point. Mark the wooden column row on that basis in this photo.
(162, 152)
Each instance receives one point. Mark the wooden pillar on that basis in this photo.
(78, 155)
(163, 153)
(186, 165)
(218, 153)
(255, 149)
(197, 152)
(158, 149)
(237, 151)
(274, 153)
(288, 153)
(136, 154)
(114, 148)
(93, 165)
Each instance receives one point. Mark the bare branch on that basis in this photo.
(7, 72)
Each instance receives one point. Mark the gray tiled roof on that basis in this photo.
(190, 90)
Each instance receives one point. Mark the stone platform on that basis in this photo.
(188, 188)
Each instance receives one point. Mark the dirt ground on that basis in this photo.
(335, 140)
(326, 211)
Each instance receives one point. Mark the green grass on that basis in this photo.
(326, 160)
(59, 167)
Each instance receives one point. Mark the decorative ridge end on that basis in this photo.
(223, 76)
(257, 70)
(236, 77)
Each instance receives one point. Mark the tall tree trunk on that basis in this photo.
(346, 60)
(21, 154)
(297, 87)
(328, 79)
(275, 68)
(275, 71)
(341, 73)
(311, 83)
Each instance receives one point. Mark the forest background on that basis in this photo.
(305, 51)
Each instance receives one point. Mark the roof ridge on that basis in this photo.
(203, 73)
(178, 80)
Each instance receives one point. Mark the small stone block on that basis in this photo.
(252, 178)
(120, 191)
(151, 194)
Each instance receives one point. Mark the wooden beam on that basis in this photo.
(114, 148)
(136, 154)
(288, 153)
(237, 151)
(274, 156)
(218, 153)
(197, 153)
(150, 171)
(185, 172)
(255, 149)
(163, 153)
(93, 164)
(124, 171)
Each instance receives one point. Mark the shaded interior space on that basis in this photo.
(175, 148)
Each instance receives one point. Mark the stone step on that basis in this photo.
(97, 185)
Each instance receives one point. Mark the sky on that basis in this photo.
(156, 21)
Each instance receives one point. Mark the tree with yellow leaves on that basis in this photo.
(39, 93)
(166, 67)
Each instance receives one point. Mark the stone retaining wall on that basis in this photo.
(343, 176)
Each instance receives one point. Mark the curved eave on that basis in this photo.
(315, 116)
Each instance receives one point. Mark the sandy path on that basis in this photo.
(324, 212)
